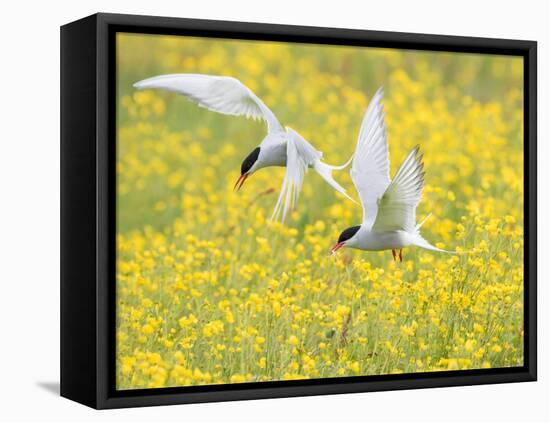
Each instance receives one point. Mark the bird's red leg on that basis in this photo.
(400, 254)
(394, 254)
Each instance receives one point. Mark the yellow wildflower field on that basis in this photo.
(209, 292)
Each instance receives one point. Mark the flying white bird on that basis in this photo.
(280, 147)
(389, 206)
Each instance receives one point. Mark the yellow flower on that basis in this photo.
(238, 378)
(147, 329)
(187, 321)
(469, 345)
(293, 340)
(354, 367)
(213, 328)
(229, 317)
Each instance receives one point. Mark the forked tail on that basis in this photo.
(421, 242)
(325, 170)
(341, 166)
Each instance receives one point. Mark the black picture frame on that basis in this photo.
(88, 209)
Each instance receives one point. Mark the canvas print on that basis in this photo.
(291, 211)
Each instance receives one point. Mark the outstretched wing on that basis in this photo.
(370, 169)
(222, 94)
(397, 207)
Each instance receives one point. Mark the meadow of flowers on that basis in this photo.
(210, 292)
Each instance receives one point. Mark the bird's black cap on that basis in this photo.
(348, 233)
(249, 161)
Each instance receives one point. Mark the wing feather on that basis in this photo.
(299, 154)
(222, 94)
(370, 170)
(397, 207)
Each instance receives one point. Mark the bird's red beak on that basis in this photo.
(336, 247)
(240, 181)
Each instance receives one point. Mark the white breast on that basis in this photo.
(377, 241)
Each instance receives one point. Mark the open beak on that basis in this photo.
(336, 247)
(240, 181)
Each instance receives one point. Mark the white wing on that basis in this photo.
(222, 94)
(299, 154)
(397, 207)
(370, 170)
